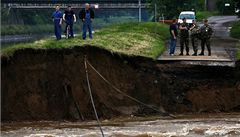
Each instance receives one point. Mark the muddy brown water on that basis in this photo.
(208, 125)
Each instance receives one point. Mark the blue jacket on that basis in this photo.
(57, 15)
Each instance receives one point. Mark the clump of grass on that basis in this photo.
(235, 31)
(143, 39)
(238, 55)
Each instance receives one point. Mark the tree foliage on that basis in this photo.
(226, 9)
(172, 8)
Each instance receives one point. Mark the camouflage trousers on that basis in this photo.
(194, 41)
(207, 43)
(184, 41)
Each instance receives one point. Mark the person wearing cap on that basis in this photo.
(184, 37)
(69, 17)
(57, 20)
(206, 33)
(87, 16)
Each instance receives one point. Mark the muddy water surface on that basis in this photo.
(214, 125)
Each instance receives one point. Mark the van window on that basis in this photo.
(187, 16)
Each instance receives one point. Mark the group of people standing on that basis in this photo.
(86, 15)
(187, 31)
(193, 32)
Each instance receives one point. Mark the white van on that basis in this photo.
(189, 15)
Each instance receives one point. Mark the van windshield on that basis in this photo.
(187, 16)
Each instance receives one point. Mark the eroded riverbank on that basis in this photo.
(51, 85)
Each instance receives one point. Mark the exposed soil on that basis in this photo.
(51, 85)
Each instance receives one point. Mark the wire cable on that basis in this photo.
(132, 98)
(92, 101)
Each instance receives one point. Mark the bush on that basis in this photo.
(226, 10)
(205, 14)
(235, 31)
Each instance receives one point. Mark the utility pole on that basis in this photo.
(155, 7)
(206, 4)
(139, 11)
(155, 10)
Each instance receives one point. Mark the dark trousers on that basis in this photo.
(57, 29)
(71, 28)
(184, 41)
(194, 41)
(207, 43)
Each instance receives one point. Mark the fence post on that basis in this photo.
(140, 11)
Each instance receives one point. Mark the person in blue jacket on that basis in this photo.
(57, 20)
(87, 16)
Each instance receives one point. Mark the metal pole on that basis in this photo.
(206, 3)
(140, 11)
(155, 7)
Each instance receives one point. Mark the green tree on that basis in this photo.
(227, 10)
(172, 8)
(200, 5)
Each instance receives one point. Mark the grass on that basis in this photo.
(25, 29)
(235, 31)
(205, 14)
(143, 39)
(48, 28)
(238, 55)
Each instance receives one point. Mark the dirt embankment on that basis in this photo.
(51, 85)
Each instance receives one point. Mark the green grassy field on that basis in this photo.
(144, 39)
(26, 29)
(48, 28)
(235, 31)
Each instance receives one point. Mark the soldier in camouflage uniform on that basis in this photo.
(184, 37)
(206, 33)
(195, 32)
